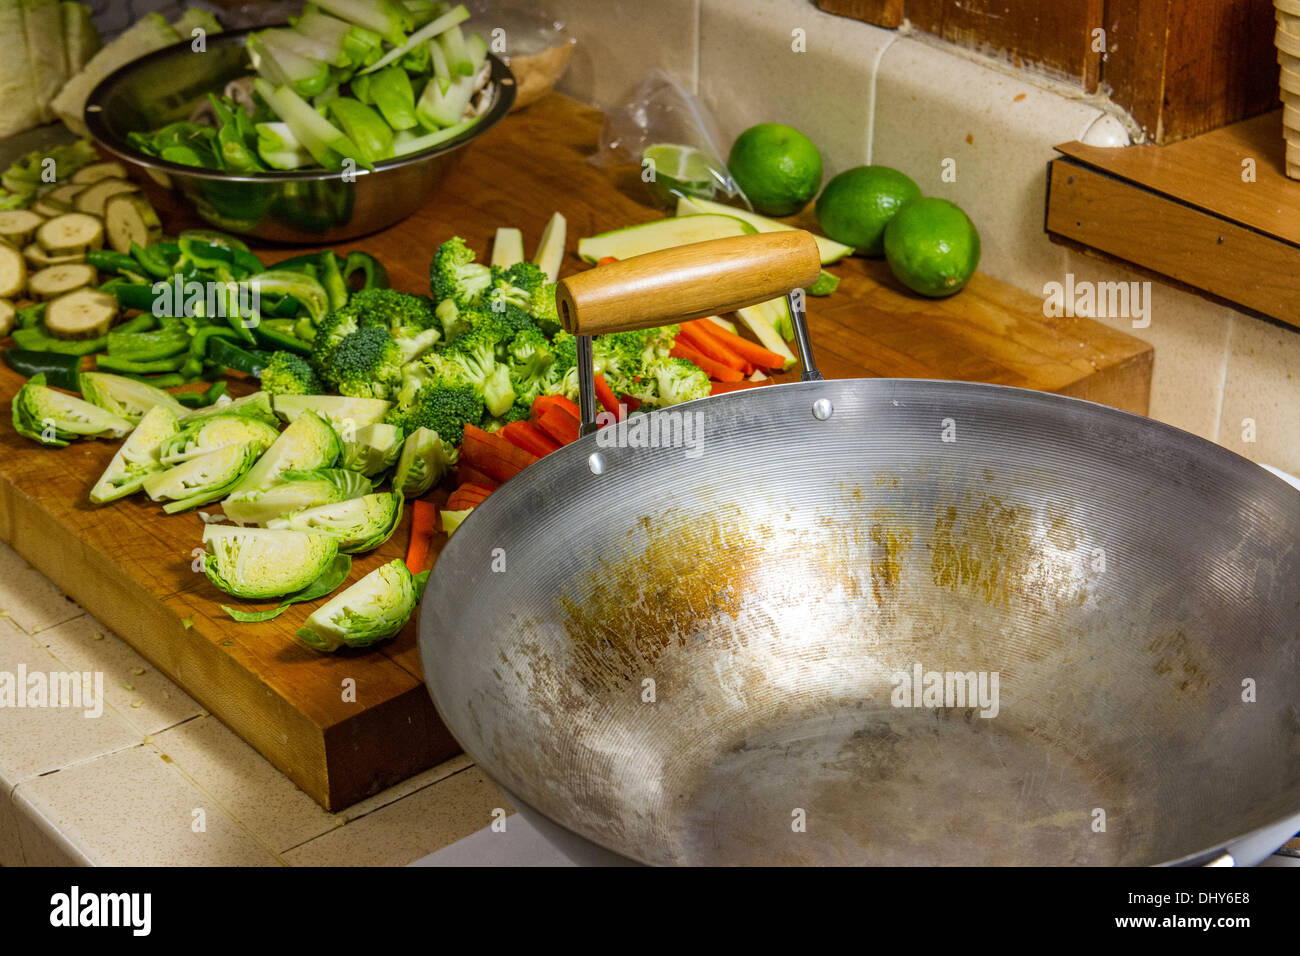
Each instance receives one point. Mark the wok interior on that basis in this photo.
(1122, 581)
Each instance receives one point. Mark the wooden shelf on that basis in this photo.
(1216, 212)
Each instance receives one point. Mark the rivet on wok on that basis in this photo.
(596, 463)
(822, 409)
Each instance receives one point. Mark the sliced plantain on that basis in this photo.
(129, 219)
(93, 173)
(38, 258)
(13, 272)
(54, 281)
(93, 198)
(84, 314)
(71, 232)
(7, 313)
(17, 226)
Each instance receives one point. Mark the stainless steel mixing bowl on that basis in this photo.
(307, 206)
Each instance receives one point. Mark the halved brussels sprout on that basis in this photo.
(254, 405)
(294, 491)
(360, 524)
(372, 610)
(425, 459)
(126, 396)
(137, 459)
(196, 438)
(307, 443)
(343, 413)
(373, 449)
(200, 480)
(260, 563)
(53, 418)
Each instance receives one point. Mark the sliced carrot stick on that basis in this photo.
(466, 497)
(724, 373)
(606, 260)
(542, 402)
(493, 455)
(755, 353)
(715, 349)
(424, 520)
(608, 398)
(465, 475)
(530, 438)
(721, 388)
(632, 403)
(559, 424)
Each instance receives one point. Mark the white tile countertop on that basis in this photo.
(154, 779)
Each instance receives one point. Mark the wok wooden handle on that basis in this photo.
(687, 282)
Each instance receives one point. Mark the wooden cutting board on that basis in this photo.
(345, 726)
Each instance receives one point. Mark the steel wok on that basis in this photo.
(699, 654)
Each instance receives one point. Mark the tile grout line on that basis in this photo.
(347, 823)
(194, 784)
(1223, 381)
(871, 94)
(699, 45)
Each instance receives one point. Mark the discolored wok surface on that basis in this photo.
(692, 659)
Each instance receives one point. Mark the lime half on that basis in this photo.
(672, 170)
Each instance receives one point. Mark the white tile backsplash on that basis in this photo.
(981, 138)
(619, 40)
(785, 61)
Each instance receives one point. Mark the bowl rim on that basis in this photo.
(504, 81)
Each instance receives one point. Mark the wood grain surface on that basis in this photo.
(132, 566)
(1176, 240)
(1209, 172)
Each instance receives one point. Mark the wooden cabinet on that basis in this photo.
(1180, 67)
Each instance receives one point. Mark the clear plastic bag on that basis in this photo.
(673, 137)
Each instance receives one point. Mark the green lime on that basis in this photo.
(932, 247)
(777, 166)
(673, 170)
(856, 205)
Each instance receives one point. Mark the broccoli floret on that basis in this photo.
(333, 329)
(562, 377)
(541, 306)
(473, 354)
(290, 374)
(526, 276)
(415, 344)
(395, 311)
(445, 408)
(366, 364)
(529, 358)
(671, 381)
(455, 276)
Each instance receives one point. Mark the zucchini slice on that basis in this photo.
(7, 313)
(92, 199)
(38, 258)
(93, 173)
(84, 314)
(71, 232)
(17, 226)
(54, 281)
(129, 218)
(13, 272)
(49, 207)
(64, 194)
